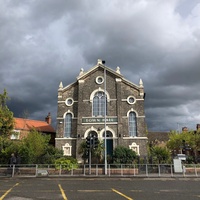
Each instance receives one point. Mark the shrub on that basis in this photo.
(160, 155)
(123, 155)
(67, 163)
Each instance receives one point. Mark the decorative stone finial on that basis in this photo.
(102, 62)
(118, 70)
(61, 85)
(141, 88)
(99, 61)
(81, 71)
(141, 83)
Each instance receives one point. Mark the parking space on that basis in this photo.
(99, 188)
(28, 189)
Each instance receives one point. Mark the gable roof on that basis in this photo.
(28, 124)
(160, 136)
(101, 66)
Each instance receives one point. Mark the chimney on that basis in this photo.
(185, 129)
(48, 118)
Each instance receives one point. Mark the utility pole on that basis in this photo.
(88, 145)
(105, 103)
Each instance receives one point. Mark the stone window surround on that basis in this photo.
(99, 90)
(72, 114)
(67, 149)
(131, 97)
(68, 99)
(97, 79)
(135, 147)
(100, 132)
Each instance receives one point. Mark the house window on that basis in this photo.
(99, 104)
(132, 124)
(68, 125)
(15, 135)
(67, 150)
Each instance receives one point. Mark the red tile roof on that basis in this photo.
(28, 124)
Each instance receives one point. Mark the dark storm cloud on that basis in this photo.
(45, 42)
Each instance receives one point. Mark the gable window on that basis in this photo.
(68, 125)
(99, 80)
(131, 100)
(99, 104)
(69, 101)
(132, 124)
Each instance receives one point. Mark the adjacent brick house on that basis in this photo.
(23, 126)
(81, 108)
(158, 138)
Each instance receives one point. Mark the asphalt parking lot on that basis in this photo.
(100, 188)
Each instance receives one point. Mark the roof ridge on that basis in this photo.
(30, 119)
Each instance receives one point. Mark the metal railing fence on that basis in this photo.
(113, 170)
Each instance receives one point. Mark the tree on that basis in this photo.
(33, 147)
(82, 150)
(185, 142)
(7, 148)
(195, 144)
(6, 116)
(96, 152)
(177, 141)
(50, 155)
(160, 155)
(123, 155)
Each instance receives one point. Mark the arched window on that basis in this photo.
(132, 124)
(93, 134)
(68, 125)
(99, 104)
(108, 134)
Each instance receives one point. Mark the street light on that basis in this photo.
(105, 139)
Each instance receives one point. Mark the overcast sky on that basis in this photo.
(45, 42)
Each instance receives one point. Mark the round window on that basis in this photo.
(69, 101)
(99, 80)
(131, 100)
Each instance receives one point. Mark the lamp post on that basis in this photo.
(105, 139)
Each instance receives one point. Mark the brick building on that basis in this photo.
(22, 128)
(81, 108)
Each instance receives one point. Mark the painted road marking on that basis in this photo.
(93, 190)
(4, 195)
(62, 192)
(136, 191)
(122, 194)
